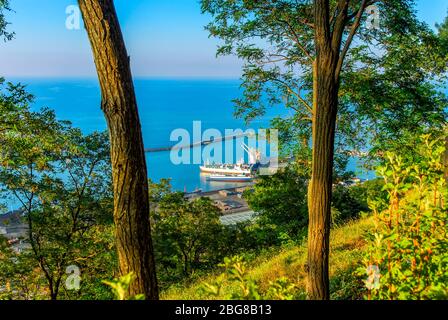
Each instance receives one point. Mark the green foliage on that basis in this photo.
(62, 181)
(388, 83)
(4, 6)
(120, 287)
(370, 191)
(350, 202)
(267, 266)
(18, 278)
(189, 239)
(391, 98)
(236, 272)
(407, 255)
(186, 233)
(443, 33)
(346, 285)
(281, 202)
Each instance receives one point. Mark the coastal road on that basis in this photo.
(233, 219)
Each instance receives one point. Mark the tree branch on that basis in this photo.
(341, 13)
(290, 90)
(351, 35)
(296, 39)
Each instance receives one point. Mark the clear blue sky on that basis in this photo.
(165, 38)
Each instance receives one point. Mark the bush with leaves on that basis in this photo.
(235, 273)
(120, 287)
(186, 232)
(407, 258)
(189, 238)
(60, 178)
(281, 202)
(350, 202)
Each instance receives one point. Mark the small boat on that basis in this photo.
(224, 178)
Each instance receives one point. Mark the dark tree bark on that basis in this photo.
(326, 68)
(320, 187)
(131, 198)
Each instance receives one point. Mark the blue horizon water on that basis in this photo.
(165, 104)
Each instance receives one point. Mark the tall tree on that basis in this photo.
(131, 198)
(296, 53)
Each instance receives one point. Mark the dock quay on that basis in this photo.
(197, 144)
(230, 200)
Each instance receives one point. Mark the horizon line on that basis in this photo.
(138, 77)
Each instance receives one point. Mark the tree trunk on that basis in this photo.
(445, 159)
(131, 198)
(325, 104)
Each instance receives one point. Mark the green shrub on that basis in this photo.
(248, 289)
(120, 287)
(407, 258)
(350, 202)
(281, 203)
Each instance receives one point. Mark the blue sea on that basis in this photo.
(164, 105)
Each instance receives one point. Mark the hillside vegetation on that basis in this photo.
(347, 248)
(397, 253)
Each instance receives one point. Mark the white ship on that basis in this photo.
(239, 169)
(227, 169)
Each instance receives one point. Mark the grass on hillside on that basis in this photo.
(346, 249)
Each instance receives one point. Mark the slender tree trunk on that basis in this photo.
(320, 188)
(53, 296)
(131, 198)
(445, 159)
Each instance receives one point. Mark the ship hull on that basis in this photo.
(224, 171)
(229, 179)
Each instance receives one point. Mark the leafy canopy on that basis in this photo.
(389, 75)
(60, 181)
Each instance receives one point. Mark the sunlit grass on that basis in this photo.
(345, 252)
